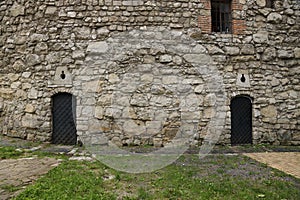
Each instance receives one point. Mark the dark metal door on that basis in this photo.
(63, 119)
(241, 120)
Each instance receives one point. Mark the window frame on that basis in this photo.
(221, 16)
(270, 3)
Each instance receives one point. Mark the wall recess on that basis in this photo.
(62, 77)
(243, 79)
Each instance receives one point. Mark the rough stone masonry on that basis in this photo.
(141, 69)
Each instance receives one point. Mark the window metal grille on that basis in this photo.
(221, 16)
(270, 3)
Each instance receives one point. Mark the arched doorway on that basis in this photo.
(63, 119)
(241, 120)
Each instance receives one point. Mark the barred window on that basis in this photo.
(270, 3)
(221, 16)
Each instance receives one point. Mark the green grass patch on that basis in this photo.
(71, 180)
(42, 154)
(214, 177)
(10, 152)
(10, 188)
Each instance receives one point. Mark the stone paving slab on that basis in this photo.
(18, 173)
(288, 162)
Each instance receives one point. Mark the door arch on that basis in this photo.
(63, 119)
(241, 120)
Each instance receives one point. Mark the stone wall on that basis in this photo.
(142, 69)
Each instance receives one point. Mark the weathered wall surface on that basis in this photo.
(133, 60)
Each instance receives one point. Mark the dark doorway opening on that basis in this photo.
(241, 120)
(63, 119)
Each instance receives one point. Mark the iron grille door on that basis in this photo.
(241, 120)
(63, 115)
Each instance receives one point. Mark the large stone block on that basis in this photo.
(261, 37)
(134, 127)
(170, 80)
(261, 3)
(82, 32)
(41, 47)
(198, 58)
(269, 111)
(212, 49)
(33, 59)
(17, 10)
(232, 50)
(29, 108)
(210, 100)
(269, 54)
(33, 93)
(97, 47)
(78, 54)
(31, 121)
(247, 49)
(165, 58)
(274, 18)
(199, 49)
(285, 54)
(19, 65)
(13, 77)
(50, 10)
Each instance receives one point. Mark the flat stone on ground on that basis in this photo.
(21, 172)
(288, 162)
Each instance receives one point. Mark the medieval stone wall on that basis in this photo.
(141, 69)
